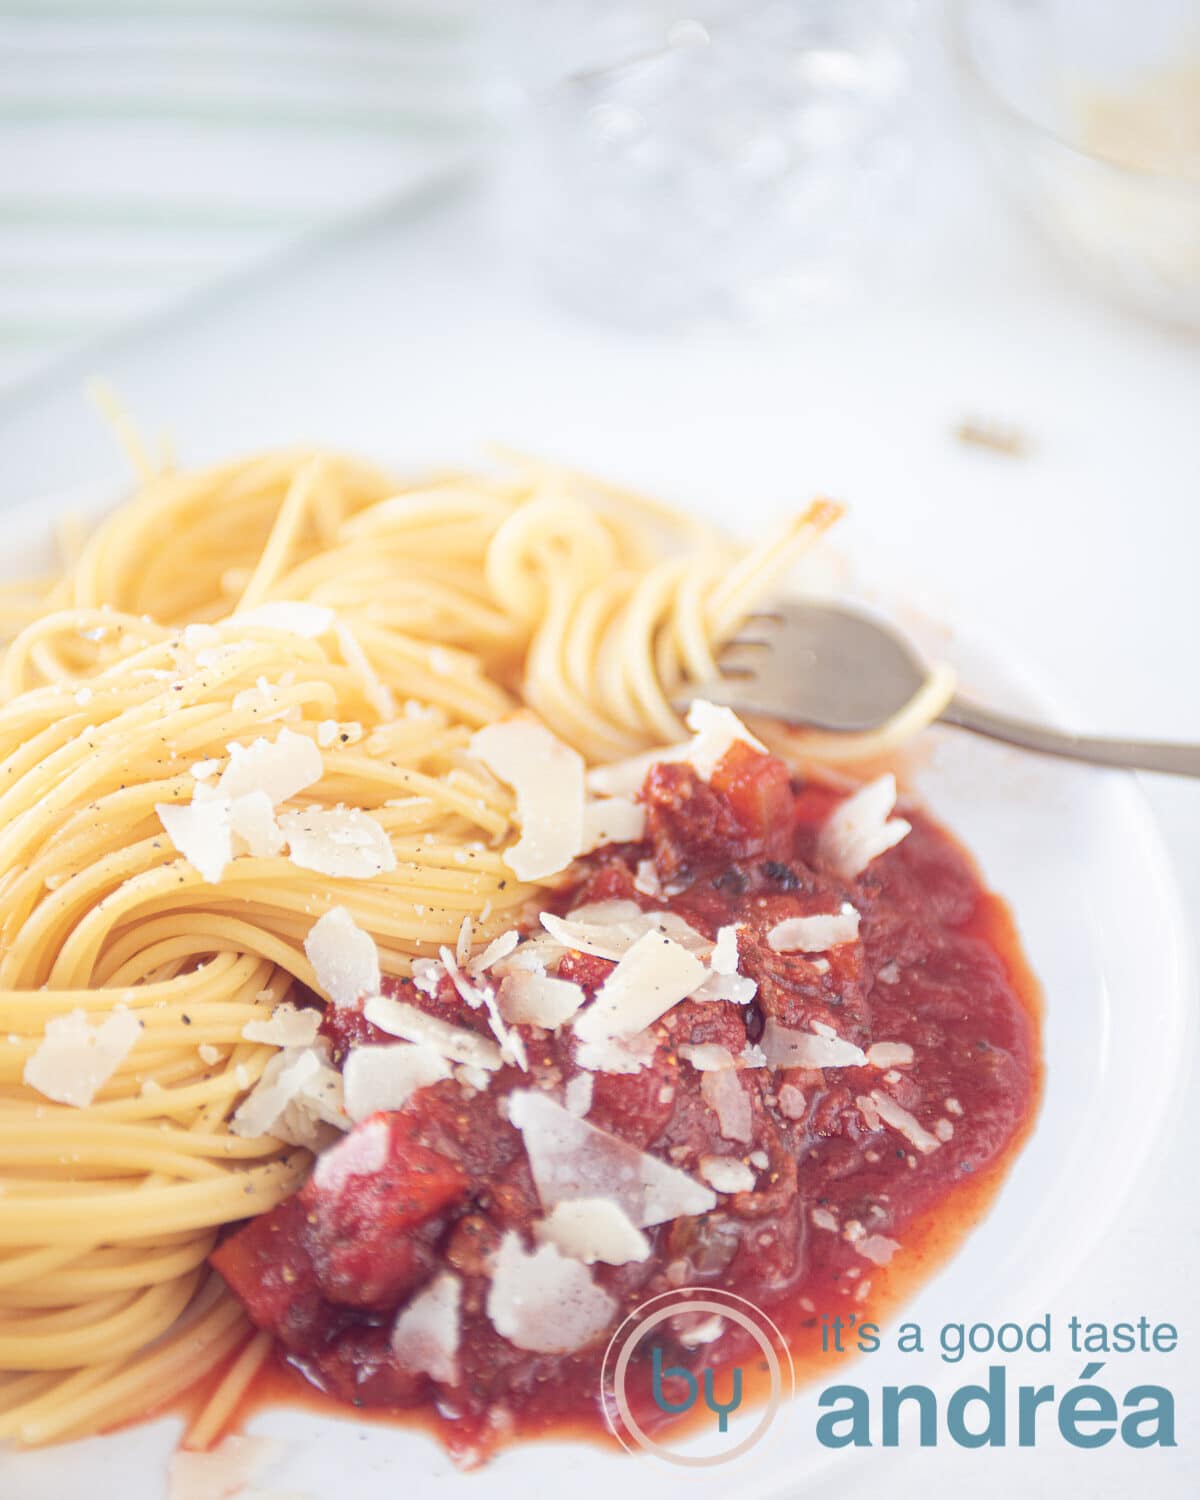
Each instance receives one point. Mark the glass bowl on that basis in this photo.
(1089, 111)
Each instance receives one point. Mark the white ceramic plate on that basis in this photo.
(1077, 855)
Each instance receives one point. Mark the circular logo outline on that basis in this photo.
(681, 1300)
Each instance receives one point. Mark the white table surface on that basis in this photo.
(422, 333)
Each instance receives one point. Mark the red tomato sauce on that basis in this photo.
(936, 967)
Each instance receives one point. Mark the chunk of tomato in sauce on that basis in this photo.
(268, 1268)
(360, 1224)
(758, 788)
(744, 812)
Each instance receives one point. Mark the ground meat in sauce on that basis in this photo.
(328, 1272)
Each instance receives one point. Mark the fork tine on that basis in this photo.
(738, 658)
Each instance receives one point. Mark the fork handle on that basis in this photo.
(1132, 755)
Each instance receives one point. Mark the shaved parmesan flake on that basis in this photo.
(297, 1093)
(512, 1047)
(497, 949)
(607, 938)
(577, 1096)
(707, 1057)
(736, 988)
(815, 934)
(714, 731)
(338, 841)
(877, 1248)
(386, 1077)
(653, 976)
(477, 1079)
(197, 636)
(360, 1154)
(825, 1218)
(462, 945)
(280, 770)
(571, 1159)
(608, 1055)
(265, 699)
(724, 958)
(202, 833)
(374, 691)
(697, 1331)
(646, 880)
(592, 1229)
(474, 994)
(345, 959)
(75, 1059)
(866, 1108)
(547, 777)
(428, 974)
(204, 770)
(545, 1302)
(223, 1471)
(722, 1091)
(252, 822)
(792, 1103)
(538, 1000)
(608, 929)
(907, 1125)
(426, 1334)
(456, 1043)
(727, 1174)
(889, 1054)
(288, 1026)
(612, 820)
(807, 1049)
(294, 616)
(861, 828)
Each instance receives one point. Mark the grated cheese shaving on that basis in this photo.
(345, 959)
(727, 1174)
(547, 777)
(455, 1043)
(815, 934)
(543, 1301)
(722, 1091)
(654, 975)
(612, 820)
(538, 1000)
(425, 1336)
(906, 1124)
(279, 769)
(572, 1159)
(592, 1229)
(861, 828)
(338, 841)
(386, 1077)
(287, 1026)
(785, 1048)
(75, 1059)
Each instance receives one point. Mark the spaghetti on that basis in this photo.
(306, 602)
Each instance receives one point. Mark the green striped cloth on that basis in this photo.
(151, 147)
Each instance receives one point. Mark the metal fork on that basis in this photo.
(828, 667)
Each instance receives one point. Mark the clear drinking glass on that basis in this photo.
(686, 159)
